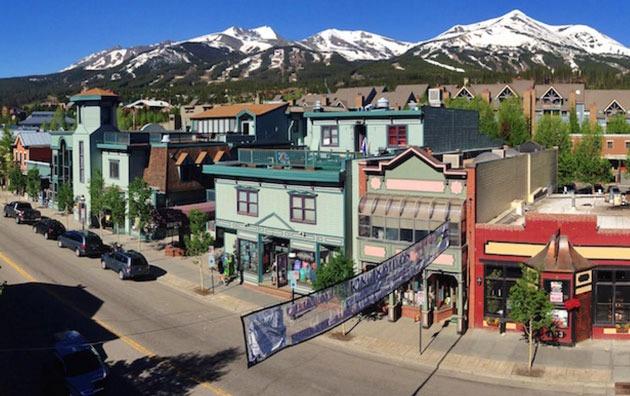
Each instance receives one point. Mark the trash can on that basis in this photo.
(394, 312)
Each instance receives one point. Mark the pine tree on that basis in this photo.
(574, 125)
(617, 124)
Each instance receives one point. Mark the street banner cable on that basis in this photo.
(274, 328)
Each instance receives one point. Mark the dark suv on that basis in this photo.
(84, 243)
(22, 211)
(49, 228)
(128, 264)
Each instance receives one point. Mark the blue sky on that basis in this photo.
(42, 36)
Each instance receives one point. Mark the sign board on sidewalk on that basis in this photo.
(272, 329)
(212, 263)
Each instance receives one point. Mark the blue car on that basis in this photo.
(127, 263)
(83, 369)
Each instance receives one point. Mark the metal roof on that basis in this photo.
(30, 138)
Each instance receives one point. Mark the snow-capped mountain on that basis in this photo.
(515, 42)
(107, 59)
(356, 44)
(247, 41)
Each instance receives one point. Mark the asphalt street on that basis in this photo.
(159, 340)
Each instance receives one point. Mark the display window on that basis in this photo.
(612, 297)
(248, 255)
(499, 278)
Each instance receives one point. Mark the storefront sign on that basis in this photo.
(555, 296)
(270, 330)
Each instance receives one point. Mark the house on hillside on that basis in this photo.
(601, 104)
(39, 118)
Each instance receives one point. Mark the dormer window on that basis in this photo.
(552, 97)
(464, 93)
(614, 108)
(506, 93)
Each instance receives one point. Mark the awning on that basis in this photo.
(181, 158)
(433, 211)
(205, 207)
(201, 158)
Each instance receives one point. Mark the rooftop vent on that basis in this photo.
(166, 139)
(382, 103)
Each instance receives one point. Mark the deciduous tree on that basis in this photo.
(487, 116)
(574, 124)
(617, 124)
(591, 168)
(140, 204)
(513, 126)
(337, 269)
(33, 183)
(199, 240)
(531, 307)
(65, 199)
(17, 180)
(551, 131)
(96, 190)
(114, 200)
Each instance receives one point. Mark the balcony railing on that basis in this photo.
(295, 158)
(125, 138)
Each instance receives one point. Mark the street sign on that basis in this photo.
(212, 264)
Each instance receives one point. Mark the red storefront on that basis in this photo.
(595, 270)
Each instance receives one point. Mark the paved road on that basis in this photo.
(158, 340)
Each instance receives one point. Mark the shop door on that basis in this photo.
(282, 261)
(583, 318)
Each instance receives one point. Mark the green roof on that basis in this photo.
(364, 114)
(290, 175)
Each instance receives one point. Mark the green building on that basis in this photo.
(281, 211)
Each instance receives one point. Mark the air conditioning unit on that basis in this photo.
(435, 97)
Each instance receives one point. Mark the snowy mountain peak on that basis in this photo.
(356, 44)
(266, 32)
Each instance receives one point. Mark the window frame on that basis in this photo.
(112, 162)
(398, 137)
(303, 209)
(332, 137)
(613, 282)
(247, 202)
(81, 161)
(505, 290)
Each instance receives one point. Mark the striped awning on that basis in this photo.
(426, 209)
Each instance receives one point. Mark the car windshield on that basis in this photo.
(138, 261)
(81, 362)
(23, 205)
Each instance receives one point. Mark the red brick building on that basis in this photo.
(31, 146)
(595, 270)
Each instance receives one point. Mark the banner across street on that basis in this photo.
(272, 329)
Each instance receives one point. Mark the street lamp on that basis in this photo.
(82, 211)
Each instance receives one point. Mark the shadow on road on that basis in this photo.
(172, 375)
(31, 314)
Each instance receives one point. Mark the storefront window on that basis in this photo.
(499, 278)
(612, 297)
(248, 256)
(364, 226)
(303, 264)
(394, 229)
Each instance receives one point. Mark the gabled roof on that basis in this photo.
(564, 90)
(34, 139)
(424, 155)
(230, 111)
(601, 99)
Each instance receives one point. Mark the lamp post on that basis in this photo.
(82, 211)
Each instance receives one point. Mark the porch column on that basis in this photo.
(460, 304)
(425, 300)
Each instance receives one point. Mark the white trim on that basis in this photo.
(554, 90)
(467, 90)
(610, 104)
(511, 90)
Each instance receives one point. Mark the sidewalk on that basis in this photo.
(591, 367)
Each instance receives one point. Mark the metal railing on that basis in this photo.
(125, 138)
(295, 158)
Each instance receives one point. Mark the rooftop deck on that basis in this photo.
(608, 216)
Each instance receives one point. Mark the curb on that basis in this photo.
(476, 374)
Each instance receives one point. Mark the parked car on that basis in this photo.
(84, 243)
(49, 228)
(81, 366)
(128, 263)
(22, 212)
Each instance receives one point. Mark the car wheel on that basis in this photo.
(60, 244)
(77, 252)
(45, 235)
(103, 264)
(121, 275)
